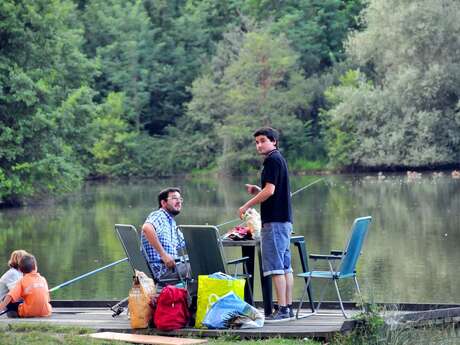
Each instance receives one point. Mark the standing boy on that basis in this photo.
(275, 207)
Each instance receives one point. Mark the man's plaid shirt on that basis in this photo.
(170, 237)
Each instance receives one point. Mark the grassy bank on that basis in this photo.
(375, 334)
(43, 334)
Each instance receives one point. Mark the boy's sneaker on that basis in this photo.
(291, 310)
(278, 316)
(12, 314)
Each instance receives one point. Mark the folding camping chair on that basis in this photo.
(206, 255)
(130, 241)
(347, 267)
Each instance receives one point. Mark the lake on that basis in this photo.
(411, 253)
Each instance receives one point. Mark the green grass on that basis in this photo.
(373, 333)
(46, 334)
(371, 329)
(272, 341)
(208, 171)
(429, 335)
(302, 165)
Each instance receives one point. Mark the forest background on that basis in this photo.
(148, 88)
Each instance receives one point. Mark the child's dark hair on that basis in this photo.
(163, 195)
(271, 133)
(27, 264)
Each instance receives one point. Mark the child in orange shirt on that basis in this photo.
(13, 275)
(32, 288)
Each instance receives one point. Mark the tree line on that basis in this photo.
(111, 88)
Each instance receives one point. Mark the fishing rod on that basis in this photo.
(307, 186)
(292, 194)
(87, 274)
(125, 259)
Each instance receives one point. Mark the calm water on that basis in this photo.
(411, 253)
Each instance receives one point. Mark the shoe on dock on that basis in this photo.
(291, 310)
(279, 316)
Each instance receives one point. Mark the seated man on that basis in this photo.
(162, 242)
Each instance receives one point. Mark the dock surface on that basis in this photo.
(322, 325)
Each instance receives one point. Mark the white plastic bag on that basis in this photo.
(252, 218)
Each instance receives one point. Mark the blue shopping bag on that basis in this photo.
(230, 311)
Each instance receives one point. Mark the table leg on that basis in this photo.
(300, 244)
(266, 284)
(249, 251)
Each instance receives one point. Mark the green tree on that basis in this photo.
(119, 34)
(41, 65)
(315, 28)
(185, 36)
(407, 115)
(109, 150)
(254, 81)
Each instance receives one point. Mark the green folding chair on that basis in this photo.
(206, 255)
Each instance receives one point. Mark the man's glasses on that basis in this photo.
(176, 199)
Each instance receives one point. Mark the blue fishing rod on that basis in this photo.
(292, 194)
(71, 281)
(80, 277)
(87, 274)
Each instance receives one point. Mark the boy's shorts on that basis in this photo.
(275, 240)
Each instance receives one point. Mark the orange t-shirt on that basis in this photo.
(33, 288)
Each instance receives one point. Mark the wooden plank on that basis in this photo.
(312, 332)
(429, 315)
(100, 320)
(146, 339)
(325, 304)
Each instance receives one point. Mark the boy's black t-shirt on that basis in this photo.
(276, 208)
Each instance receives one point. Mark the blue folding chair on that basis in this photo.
(347, 268)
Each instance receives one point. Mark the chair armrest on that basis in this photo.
(166, 280)
(325, 257)
(183, 258)
(336, 252)
(238, 261)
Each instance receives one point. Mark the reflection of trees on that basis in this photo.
(407, 256)
(406, 243)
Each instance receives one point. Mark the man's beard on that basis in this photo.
(173, 212)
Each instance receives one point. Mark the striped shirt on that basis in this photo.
(170, 237)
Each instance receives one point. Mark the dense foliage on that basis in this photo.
(400, 106)
(92, 88)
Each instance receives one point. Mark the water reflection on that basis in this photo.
(410, 254)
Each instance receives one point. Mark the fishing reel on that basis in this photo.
(119, 307)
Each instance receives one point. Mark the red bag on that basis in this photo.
(171, 310)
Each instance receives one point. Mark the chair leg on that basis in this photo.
(248, 282)
(305, 291)
(340, 299)
(359, 293)
(322, 295)
(249, 289)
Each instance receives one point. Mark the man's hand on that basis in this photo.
(242, 211)
(252, 189)
(168, 260)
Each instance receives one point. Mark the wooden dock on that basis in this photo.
(323, 325)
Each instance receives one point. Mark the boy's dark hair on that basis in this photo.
(27, 264)
(271, 133)
(163, 195)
